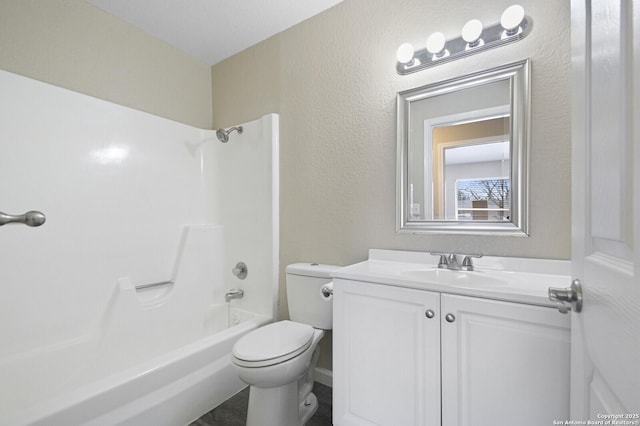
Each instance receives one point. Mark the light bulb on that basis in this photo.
(405, 52)
(472, 31)
(435, 43)
(512, 18)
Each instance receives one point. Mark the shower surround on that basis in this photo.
(131, 199)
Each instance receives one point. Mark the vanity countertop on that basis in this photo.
(522, 280)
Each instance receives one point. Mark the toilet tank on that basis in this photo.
(306, 302)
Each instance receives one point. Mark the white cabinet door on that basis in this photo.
(386, 359)
(503, 363)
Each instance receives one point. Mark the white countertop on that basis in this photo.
(522, 280)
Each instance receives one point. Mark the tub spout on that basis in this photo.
(233, 294)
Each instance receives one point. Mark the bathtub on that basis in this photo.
(171, 389)
(157, 353)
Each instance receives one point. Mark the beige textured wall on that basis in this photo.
(332, 79)
(75, 45)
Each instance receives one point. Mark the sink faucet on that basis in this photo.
(451, 262)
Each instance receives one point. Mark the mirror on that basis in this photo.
(462, 154)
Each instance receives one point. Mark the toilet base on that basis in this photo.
(308, 408)
(279, 406)
(273, 406)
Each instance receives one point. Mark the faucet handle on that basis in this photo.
(443, 263)
(467, 262)
(240, 270)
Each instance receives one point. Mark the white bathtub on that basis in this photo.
(157, 355)
(79, 385)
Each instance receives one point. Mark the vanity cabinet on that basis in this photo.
(407, 357)
(386, 362)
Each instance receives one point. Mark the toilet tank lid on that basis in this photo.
(318, 270)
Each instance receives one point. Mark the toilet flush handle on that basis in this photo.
(327, 290)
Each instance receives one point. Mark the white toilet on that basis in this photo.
(278, 360)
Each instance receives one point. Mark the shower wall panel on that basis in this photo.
(117, 187)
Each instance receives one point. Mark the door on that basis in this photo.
(605, 373)
(503, 363)
(386, 364)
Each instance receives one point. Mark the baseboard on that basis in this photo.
(324, 376)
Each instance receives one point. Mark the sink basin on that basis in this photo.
(451, 277)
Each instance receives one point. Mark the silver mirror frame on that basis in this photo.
(518, 74)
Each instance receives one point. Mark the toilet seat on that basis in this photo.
(272, 344)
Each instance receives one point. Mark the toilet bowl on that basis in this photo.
(278, 360)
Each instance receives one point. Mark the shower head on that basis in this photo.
(223, 135)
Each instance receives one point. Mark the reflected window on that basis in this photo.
(483, 199)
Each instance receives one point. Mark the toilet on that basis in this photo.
(278, 360)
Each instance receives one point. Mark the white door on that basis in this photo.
(605, 357)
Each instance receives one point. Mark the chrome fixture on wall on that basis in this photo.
(31, 218)
(240, 270)
(223, 135)
(154, 284)
(232, 294)
(513, 26)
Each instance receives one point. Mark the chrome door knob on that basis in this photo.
(450, 317)
(429, 314)
(569, 298)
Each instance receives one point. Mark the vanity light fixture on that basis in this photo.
(435, 46)
(405, 54)
(511, 19)
(471, 33)
(513, 26)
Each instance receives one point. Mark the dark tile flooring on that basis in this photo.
(233, 412)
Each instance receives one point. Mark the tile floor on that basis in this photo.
(233, 412)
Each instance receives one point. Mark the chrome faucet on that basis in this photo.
(234, 293)
(451, 261)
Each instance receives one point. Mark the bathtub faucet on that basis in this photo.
(234, 293)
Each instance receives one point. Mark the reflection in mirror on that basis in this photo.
(471, 170)
(461, 154)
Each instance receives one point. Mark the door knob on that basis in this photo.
(450, 317)
(569, 298)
